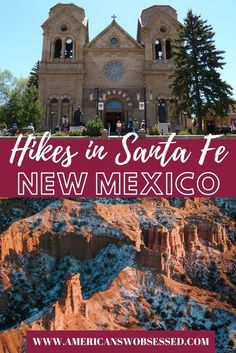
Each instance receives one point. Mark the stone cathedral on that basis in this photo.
(114, 75)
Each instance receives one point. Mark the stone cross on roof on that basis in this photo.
(114, 17)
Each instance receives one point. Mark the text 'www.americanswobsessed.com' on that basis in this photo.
(113, 341)
(121, 341)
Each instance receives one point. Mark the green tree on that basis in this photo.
(31, 110)
(10, 111)
(34, 76)
(196, 79)
(19, 99)
(7, 84)
(22, 108)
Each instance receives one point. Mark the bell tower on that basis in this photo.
(157, 29)
(65, 33)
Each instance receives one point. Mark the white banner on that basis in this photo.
(141, 106)
(100, 106)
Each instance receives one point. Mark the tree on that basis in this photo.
(10, 110)
(196, 79)
(31, 110)
(19, 98)
(22, 108)
(213, 275)
(7, 84)
(34, 76)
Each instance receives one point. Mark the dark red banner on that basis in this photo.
(127, 167)
(117, 341)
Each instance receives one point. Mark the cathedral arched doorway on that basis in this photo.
(114, 111)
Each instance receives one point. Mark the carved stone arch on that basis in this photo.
(69, 35)
(65, 96)
(117, 107)
(54, 96)
(120, 93)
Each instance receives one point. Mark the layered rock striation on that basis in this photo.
(91, 264)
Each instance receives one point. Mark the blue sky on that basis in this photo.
(21, 36)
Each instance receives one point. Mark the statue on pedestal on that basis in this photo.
(78, 117)
(162, 113)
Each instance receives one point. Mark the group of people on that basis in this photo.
(65, 122)
(64, 126)
(14, 129)
(130, 126)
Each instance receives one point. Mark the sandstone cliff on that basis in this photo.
(100, 264)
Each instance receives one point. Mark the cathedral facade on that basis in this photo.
(114, 75)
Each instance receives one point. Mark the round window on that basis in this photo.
(114, 70)
(64, 28)
(114, 41)
(163, 29)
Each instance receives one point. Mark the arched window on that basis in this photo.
(168, 50)
(114, 105)
(158, 54)
(69, 49)
(65, 106)
(53, 113)
(58, 48)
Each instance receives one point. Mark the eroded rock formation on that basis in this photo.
(99, 264)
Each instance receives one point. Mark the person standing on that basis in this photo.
(136, 126)
(63, 123)
(122, 127)
(224, 128)
(67, 124)
(31, 127)
(143, 125)
(130, 125)
(109, 128)
(119, 127)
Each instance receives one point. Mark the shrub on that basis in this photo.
(81, 132)
(200, 132)
(153, 130)
(184, 132)
(190, 131)
(39, 134)
(94, 126)
(58, 133)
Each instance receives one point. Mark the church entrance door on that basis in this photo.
(111, 119)
(113, 113)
